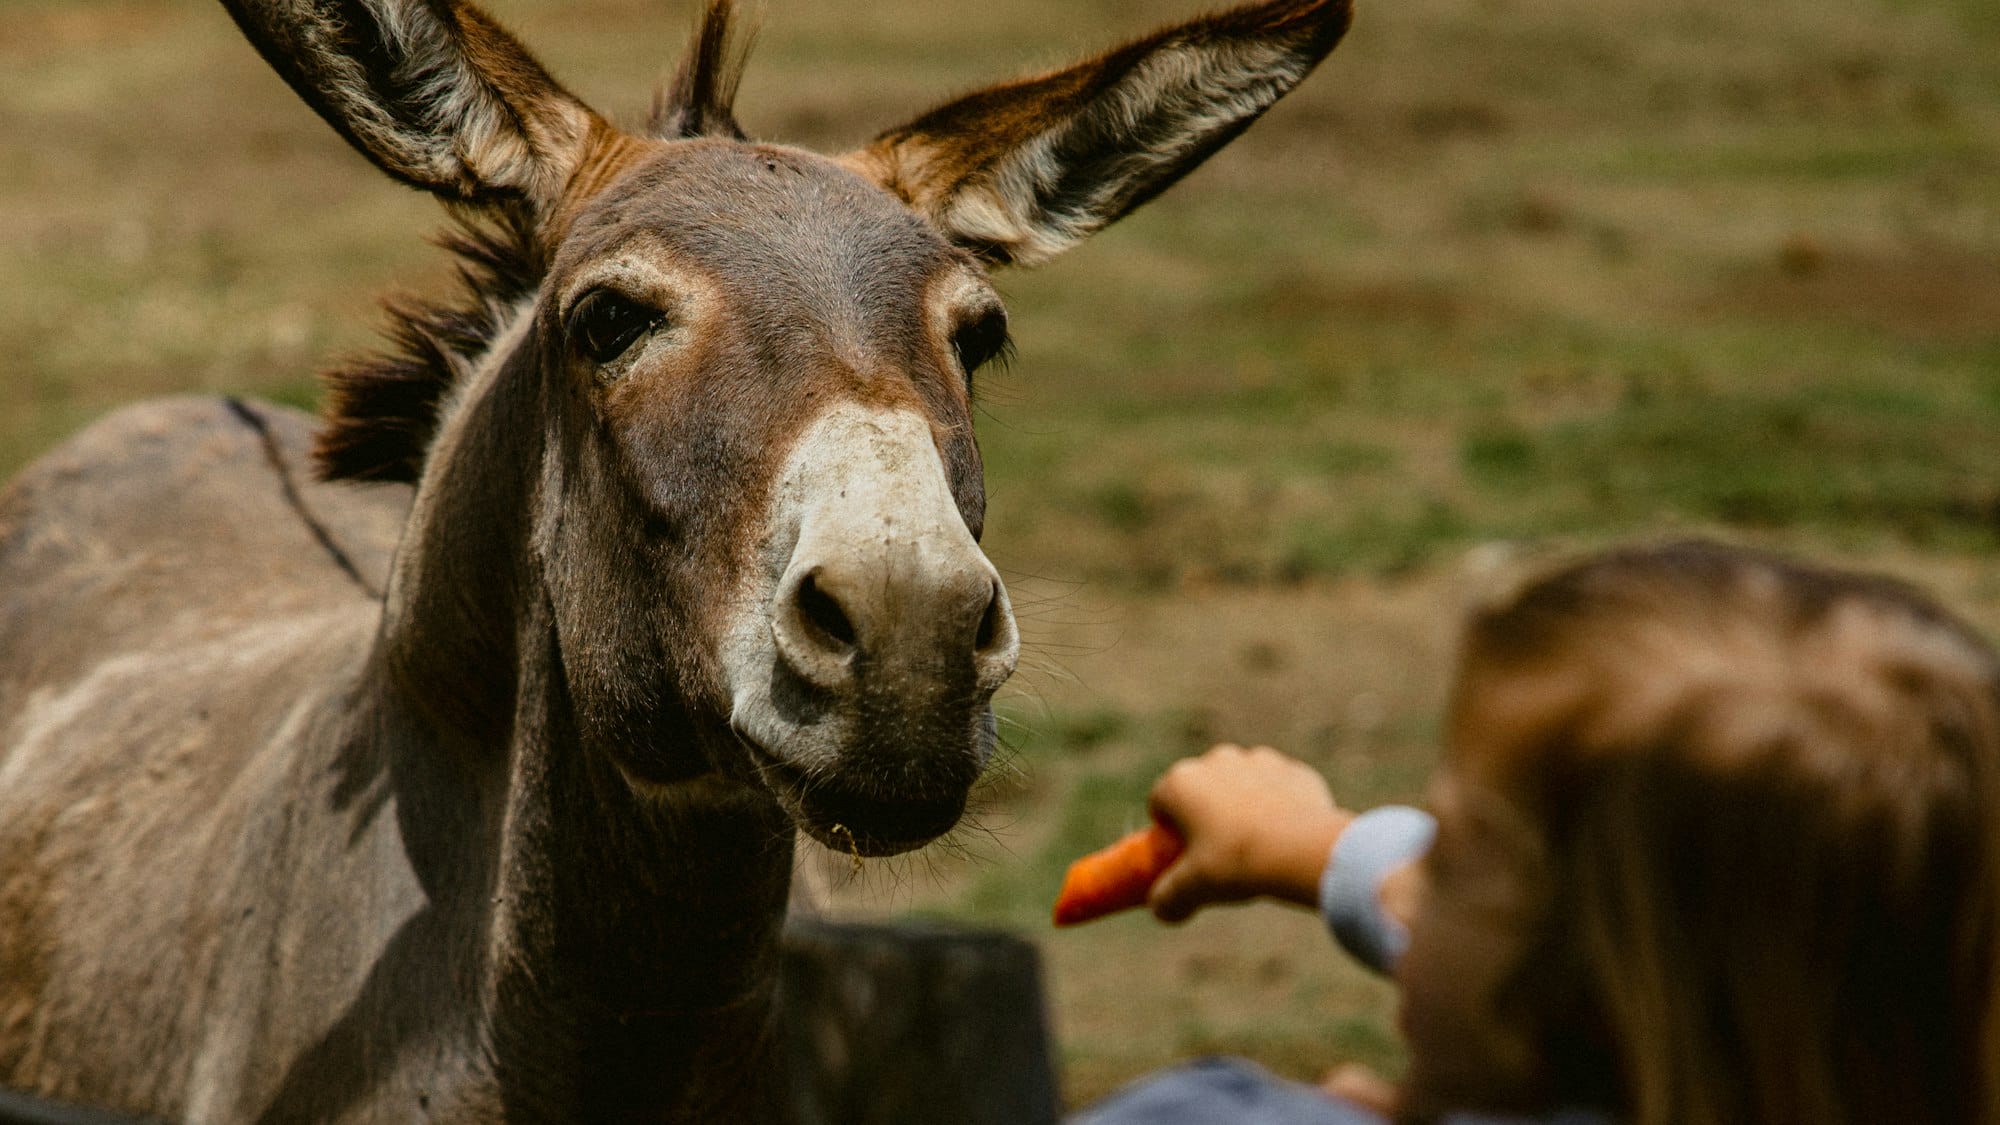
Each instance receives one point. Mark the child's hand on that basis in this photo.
(1255, 823)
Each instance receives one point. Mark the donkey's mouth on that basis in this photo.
(868, 822)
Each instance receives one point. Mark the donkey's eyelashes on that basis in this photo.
(980, 339)
(604, 324)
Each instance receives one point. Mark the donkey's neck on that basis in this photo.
(617, 950)
(636, 935)
(627, 941)
(455, 592)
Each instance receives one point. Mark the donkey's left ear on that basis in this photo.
(1020, 172)
(434, 92)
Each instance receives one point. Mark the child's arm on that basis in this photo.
(1255, 822)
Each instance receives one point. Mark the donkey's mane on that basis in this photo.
(382, 409)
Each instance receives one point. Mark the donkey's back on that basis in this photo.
(175, 594)
(175, 522)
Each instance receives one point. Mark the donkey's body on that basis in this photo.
(475, 800)
(183, 652)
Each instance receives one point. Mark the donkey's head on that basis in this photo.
(741, 373)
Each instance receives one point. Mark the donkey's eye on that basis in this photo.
(604, 324)
(980, 340)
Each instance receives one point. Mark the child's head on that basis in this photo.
(1717, 846)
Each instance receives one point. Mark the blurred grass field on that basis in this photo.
(1505, 278)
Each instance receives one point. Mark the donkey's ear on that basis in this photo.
(1023, 171)
(435, 92)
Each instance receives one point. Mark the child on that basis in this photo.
(1717, 843)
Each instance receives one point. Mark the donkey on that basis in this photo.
(470, 794)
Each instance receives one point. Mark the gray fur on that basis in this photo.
(244, 880)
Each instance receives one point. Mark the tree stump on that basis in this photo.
(914, 1025)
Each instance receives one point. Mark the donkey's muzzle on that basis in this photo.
(888, 648)
(861, 676)
(840, 621)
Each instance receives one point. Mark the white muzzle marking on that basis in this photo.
(870, 584)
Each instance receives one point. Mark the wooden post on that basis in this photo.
(914, 1025)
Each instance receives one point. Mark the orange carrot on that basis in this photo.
(1118, 877)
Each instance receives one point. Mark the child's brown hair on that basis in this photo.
(1754, 808)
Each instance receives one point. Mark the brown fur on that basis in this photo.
(702, 98)
(1090, 179)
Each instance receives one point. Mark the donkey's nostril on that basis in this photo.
(825, 614)
(989, 623)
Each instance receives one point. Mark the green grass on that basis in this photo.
(1873, 464)
(1819, 156)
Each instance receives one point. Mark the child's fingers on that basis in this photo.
(1195, 880)
(1177, 893)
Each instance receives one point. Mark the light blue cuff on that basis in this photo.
(1350, 889)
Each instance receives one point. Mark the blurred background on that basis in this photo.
(1504, 279)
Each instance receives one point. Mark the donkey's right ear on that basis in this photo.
(1019, 172)
(434, 92)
